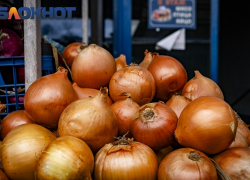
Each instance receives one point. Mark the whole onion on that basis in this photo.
(243, 129)
(21, 149)
(90, 119)
(154, 125)
(187, 164)
(120, 62)
(3, 175)
(134, 80)
(235, 162)
(10, 43)
(162, 153)
(47, 97)
(207, 124)
(125, 159)
(71, 51)
(65, 158)
(201, 86)
(169, 74)
(13, 120)
(239, 141)
(93, 67)
(149, 56)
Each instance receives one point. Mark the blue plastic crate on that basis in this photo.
(10, 82)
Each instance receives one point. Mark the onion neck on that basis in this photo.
(62, 71)
(148, 115)
(3, 35)
(82, 46)
(194, 156)
(123, 141)
(102, 96)
(197, 74)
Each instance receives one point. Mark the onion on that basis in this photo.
(5, 22)
(93, 67)
(120, 62)
(136, 81)
(207, 124)
(235, 162)
(124, 111)
(201, 86)
(55, 132)
(87, 92)
(154, 125)
(187, 164)
(1, 165)
(149, 56)
(60, 161)
(3, 175)
(21, 74)
(12, 120)
(125, 159)
(71, 51)
(90, 119)
(243, 129)
(21, 150)
(169, 74)
(239, 141)
(161, 154)
(10, 43)
(177, 103)
(48, 96)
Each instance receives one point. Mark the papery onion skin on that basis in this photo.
(66, 158)
(136, 81)
(3, 176)
(187, 164)
(93, 67)
(201, 86)
(12, 120)
(47, 97)
(169, 74)
(239, 141)
(120, 62)
(131, 161)
(207, 124)
(21, 149)
(243, 129)
(235, 162)
(162, 153)
(154, 125)
(90, 119)
(149, 56)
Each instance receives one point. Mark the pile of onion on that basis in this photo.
(65, 158)
(169, 74)
(149, 56)
(120, 62)
(134, 80)
(21, 149)
(187, 164)
(90, 119)
(243, 129)
(154, 125)
(239, 141)
(125, 159)
(207, 124)
(93, 67)
(47, 97)
(201, 86)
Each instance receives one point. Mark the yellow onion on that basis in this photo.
(243, 128)
(66, 158)
(90, 119)
(149, 56)
(21, 149)
(187, 164)
(1, 166)
(3, 176)
(125, 159)
(239, 141)
(201, 86)
(207, 124)
(161, 154)
(120, 62)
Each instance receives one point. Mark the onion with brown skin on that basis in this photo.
(177, 103)
(124, 111)
(47, 97)
(135, 80)
(243, 128)
(154, 125)
(169, 74)
(90, 119)
(235, 162)
(162, 153)
(125, 159)
(207, 124)
(3, 176)
(201, 86)
(120, 62)
(93, 67)
(1, 166)
(149, 56)
(239, 141)
(187, 164)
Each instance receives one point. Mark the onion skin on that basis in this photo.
(210, 118)
(154, 125)
(21, 149)
(149, 56)
(60, 161)
(161, 154)
(178, 165)
(201, 86)
(177, 103)
(132, 161)
(3, 175)
(12, 120)
(134, 80)
(93, 67)
(235, 162)
(239, 141)
(169, 74)
(90, 119)
(243, 129)
(51, 93)
(1, 166)
(120, 62)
